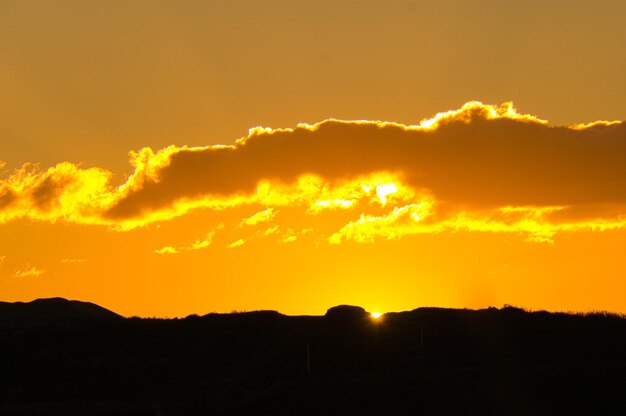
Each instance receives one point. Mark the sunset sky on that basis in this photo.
(167, 158)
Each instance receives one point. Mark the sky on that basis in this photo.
(169, 158)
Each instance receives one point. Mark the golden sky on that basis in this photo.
(392, 169)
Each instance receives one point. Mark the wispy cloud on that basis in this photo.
(196, 245)
(29, 271)
(237, 243)
(73, 261)
(259, 217)
(167, 250)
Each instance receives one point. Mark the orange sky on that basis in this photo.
(429, 199)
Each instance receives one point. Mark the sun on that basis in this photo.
(376, 315)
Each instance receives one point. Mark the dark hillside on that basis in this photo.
(53, 309)
(426, 361)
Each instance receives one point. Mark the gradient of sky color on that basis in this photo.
(88, 82)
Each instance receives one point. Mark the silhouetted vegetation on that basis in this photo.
(426, 361)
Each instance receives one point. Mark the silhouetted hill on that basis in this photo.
(346, 313)
(426, 361)
(53, 309)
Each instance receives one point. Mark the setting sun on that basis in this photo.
(376, 315)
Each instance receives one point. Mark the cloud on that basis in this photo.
(479, 156)
(196, 245)
(259, 217)
(470, 164)
(271, 230)
(418, 218)
(167, 250)
(288, 237)
(29, 271)
(237, 243)
(595, 124)
(73, 261)
(63, 192)
(202, 243)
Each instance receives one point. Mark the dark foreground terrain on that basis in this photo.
(60, 357)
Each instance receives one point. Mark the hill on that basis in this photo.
(426, 361)
(53, 309)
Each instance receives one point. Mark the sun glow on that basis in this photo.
(376, 315)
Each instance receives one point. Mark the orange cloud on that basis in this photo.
(73, 261)
(167, 250)
(479, 156)
(259, 217)
(417, 218)
(237, 243)
(29, 271)
(595, 124)
(196, 245)
(63, 192)
(289, 237)
(478, 168)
